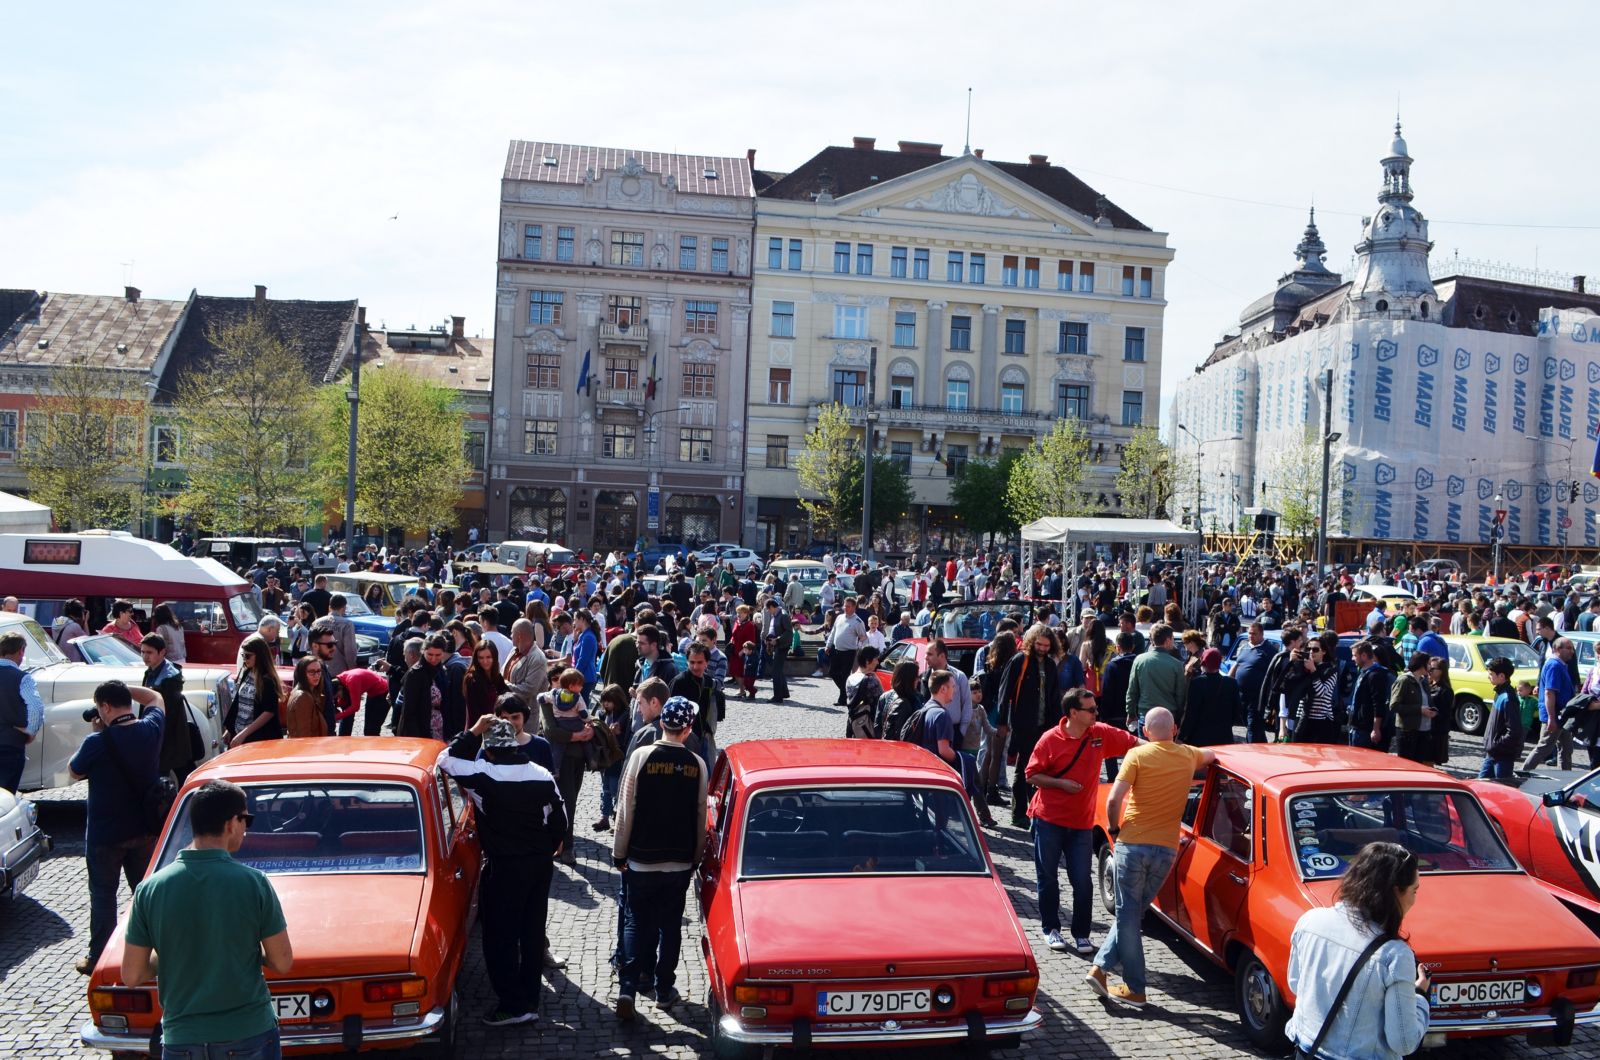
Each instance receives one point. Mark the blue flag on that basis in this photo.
(583, 375)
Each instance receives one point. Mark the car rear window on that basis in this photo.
(838, 831)
(1447, 830)
(337, 828)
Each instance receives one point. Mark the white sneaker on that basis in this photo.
(1054, 940)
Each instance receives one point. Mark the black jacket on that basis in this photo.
(1371, 703)
(1019, 698)
(1211, 710)
(517, 804)
(177, 756)
(1113, 696)
(416, 712)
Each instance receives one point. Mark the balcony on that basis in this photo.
(944, 418)
(630, 396)
(637, 333)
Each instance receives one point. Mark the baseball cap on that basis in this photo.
(678, 714)
(501, 735)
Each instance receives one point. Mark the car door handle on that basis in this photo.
(1236, 878)
(462, 873)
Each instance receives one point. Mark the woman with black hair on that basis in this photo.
(1358, 990)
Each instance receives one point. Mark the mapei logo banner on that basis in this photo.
(1513, 490)
(1386, 350)
(1424, 479)
(1568, 370)
(1594, 371)
(1348, 471)
(1383, 474)
(1427, 356)
(1519, 364)
(1541, 493)
(1491, 363)
(1463, 359)
(1485, 489)
(1454, 486)
(1550, 369)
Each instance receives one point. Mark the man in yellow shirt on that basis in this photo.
(1157, 776)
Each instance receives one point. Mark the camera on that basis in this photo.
(90, 714)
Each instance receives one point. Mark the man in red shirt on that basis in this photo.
(353, 686)
(1064, 770)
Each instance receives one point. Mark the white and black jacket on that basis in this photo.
(519, 809)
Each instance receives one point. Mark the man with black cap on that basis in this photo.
(521, 820)
(661, 833)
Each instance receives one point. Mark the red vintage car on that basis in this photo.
(963, 651)
(375, 859)
(821, 855)
(1268, 832)
(1552, 824)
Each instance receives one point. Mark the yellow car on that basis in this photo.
(1470, 681)
(356, 583)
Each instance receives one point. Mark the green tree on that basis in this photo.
(1149, 475)
(410, 449)
(891, 492)
(1047, 479)
(81, 447)
(1294, 476)
(975, 491)
(247, 424)
(824, 468)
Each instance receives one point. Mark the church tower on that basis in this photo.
(1391, 278)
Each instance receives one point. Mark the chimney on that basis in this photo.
(918, 147)
(867, 143)
(750, 156)
(977, 152)
(458, 328)
(1578, 285)
(261, 295)
(361, 317)
(1038, 160)
(132, 293)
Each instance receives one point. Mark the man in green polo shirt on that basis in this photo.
(214, 923)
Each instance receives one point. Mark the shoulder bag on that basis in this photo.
(155, 799)
(1338, 1001)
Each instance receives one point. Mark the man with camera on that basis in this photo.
(121, 760)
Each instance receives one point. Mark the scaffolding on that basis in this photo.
(1072, 536)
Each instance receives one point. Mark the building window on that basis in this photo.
(125, 437)
(783, 320)
(849, 321)
(539, 437)
(778, 386)
(919, 265)
(622, 373)
(692, 518)
(1016, 336)
(897, 262)
(164, 444)
(627, 248)
(699, 380)
(544, 371)
(539, 513)
(544, 307)
(841, 257)
(955, 458)
(477, 445)
(960, 333)
(1132, 408)
(905, 328)
(902, 391)
(975, 271)
(617, 441)
(1012, 397)
(694, 445)
(624, 310)
(1074, 337)
(863, 259)
(1008, 271)
(849, 386)
(1086, 277)
(719, 255)
(794, 255)
(775, 253)
(955, 263)
(1147, 280)
(1127, 281)
(777, 450)
(700, 318)
(1072, 401)
(688, 253)
(35, 427)
(1030, 272)
(8, 430)
(957, 394)
(900, 454)
(1133, 344)
(1063, 275)
(564, 238)
(533, 242)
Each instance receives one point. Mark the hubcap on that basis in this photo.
(1259, 995)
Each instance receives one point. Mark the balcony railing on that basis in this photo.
(1023, 422)
(637, 333)
(632, 396)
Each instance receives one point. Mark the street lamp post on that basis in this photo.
(871, 418)
(1329, 436)
(353, 395)
(1199, 494)
(1499, 531)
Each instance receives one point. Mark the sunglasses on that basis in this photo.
(1088, 710)
(322, 643)
(248, 818)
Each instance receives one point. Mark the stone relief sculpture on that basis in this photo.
(592, 249)
(508, 239)
(658, 256)
(967, 194)
(742, 258)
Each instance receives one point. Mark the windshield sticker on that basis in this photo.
(1320, 864)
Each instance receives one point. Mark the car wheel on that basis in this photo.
(1470, 715)
(1106, 880)
(1261, 1007)
(721, 1047)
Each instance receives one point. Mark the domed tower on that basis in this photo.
(1391, 276)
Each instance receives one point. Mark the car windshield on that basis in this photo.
(38, 650)
(246, 612)
(355, 606)
(976, 620)
(108, 650)
(321, 828)
(1447, 830)
(1522, 656)
(852, 831)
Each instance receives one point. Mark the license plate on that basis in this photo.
(872, 1002)
(24, 878)
(292, 1006)
(1481, 992)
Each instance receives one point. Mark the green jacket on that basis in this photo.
(1157, 680)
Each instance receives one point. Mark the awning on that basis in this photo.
(19, 515)
(1062, 531)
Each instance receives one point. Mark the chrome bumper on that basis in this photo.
(1520, 1024)
(887, 1031)
(318, 1035)
(20, 858)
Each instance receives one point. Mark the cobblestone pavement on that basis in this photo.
(1191, 1015)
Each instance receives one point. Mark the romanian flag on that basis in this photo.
(583, 375)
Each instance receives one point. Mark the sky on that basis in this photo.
(354, 150)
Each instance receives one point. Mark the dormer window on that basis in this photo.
(549, 160)
(1383, 305)
(710, 174)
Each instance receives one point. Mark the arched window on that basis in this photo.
(539, 514)
(958, 387)
(1013, 390)
(616, 519)
(902, 384)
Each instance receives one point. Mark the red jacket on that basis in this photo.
(1050, 756)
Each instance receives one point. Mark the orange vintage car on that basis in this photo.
(1268, 832)
(375, 859)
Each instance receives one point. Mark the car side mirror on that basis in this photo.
(1555, 798)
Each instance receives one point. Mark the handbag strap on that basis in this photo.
(1344, 991)
(1075, 756)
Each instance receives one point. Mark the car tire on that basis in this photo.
(721, 1047)
(1105, 880)
(1470, 715)
(443, 1042)
(1262, 1012)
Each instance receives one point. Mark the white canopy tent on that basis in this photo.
(1071, 534)
(21, 516)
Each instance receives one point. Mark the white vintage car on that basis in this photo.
(67, 689)
(22, 845)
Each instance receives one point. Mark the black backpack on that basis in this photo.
(914, 727)
(862, 711)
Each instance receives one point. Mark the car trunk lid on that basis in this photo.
(350, 925)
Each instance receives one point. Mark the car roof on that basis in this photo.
(1467, 638)
(375, 576)
(381, 757)
(835, 760)
(949, 642)
(1279, 765)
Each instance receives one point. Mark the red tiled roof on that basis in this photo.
(525, 161)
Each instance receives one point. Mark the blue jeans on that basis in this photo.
(1050, 843)
(263, 1046)
(1496, 768)
(610, 781)
(1139, 870)
(652, 933)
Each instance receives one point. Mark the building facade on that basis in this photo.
(1454, 396)
(998, 296)
(621, 347)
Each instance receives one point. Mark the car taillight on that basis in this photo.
(763, 995)
(1009, 987)
(394, 989)
(1582, 977)
(105, 1000)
